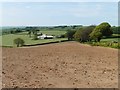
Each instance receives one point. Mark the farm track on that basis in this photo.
(60, 65)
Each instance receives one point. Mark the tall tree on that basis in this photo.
(104, 29)
(29, 30)
(77, 34)
(19, 42)
(82, 34)
(70, 34)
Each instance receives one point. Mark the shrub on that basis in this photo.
(105, 44)
(115, 45)
(62, 36)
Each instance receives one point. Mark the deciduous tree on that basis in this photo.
(104, 29)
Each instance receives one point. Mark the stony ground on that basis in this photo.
(67, 64)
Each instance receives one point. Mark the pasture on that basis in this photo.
(7, 40)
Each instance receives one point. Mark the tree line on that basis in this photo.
(34, 29)
(76, 32)
(92, 32)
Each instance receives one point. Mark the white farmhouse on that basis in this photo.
(44, 36)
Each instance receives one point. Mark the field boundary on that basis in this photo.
(45, 43)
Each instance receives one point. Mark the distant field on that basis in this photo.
(48, 32)
(7, 40)
(53, 32)
(115, 37)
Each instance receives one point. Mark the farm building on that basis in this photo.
(44, 36)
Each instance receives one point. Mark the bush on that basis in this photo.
(115, 45)
(105, 44)
(62, 36)
(19, 42)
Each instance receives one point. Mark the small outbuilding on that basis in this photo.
(44, 36)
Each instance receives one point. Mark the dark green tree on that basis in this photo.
(19, 42)
(32, 30)
(29, 30)
(82, 34)
(77, 34)
(116, 30)
(70, 34)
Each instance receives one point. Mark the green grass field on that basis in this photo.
(53, 32)
(48, 32)
(110, 39)
(7, 40)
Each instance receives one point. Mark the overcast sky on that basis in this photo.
(58, 13)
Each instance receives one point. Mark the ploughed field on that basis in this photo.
(66, 64)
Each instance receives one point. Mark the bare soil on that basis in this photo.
(61, 65)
